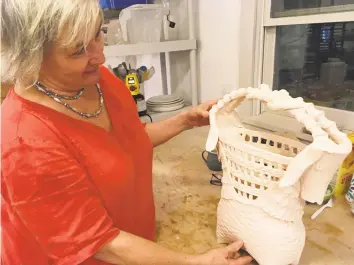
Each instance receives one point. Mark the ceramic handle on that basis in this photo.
(322, 130)
(275, 100)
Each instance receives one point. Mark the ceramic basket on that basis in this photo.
(267, 177)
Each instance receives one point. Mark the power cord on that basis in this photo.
(216, 179)
(147, 116)
(171, 23)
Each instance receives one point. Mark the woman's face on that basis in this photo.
(73, 68)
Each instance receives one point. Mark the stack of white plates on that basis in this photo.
(165, 103)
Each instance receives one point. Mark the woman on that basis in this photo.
(77, 162)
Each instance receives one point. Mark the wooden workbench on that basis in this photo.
(186, 206)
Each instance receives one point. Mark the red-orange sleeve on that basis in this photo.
(53, 196)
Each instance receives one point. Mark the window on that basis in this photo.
(307, 48)
(316, 62)
(286, 8)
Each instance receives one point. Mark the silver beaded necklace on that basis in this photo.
(48, 92)
(58, 98)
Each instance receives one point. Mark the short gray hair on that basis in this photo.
(28, 27)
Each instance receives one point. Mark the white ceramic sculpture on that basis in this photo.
(266, 177)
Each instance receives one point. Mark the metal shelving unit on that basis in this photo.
(150, 48)
(165, 47)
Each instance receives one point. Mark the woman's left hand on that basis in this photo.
(199, 115)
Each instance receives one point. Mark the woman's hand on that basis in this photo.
(199, 115)
(223, 256)
(124, 247)
(161, 131)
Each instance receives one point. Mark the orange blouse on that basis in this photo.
(68, 186)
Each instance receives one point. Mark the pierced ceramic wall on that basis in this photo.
(267, 177)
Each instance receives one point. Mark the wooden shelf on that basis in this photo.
(149, 48)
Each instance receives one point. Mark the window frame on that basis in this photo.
(263, 61)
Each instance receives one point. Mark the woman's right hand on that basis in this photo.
(223, 256)
(127, 248)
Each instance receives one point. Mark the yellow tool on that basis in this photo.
(132, 82)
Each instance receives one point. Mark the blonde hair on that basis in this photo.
(29, 27)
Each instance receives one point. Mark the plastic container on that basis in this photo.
(333, 72)
(114, 33)
(350, 193)
(345, 172)
(146, 25)
(329, 194)
(142, 23)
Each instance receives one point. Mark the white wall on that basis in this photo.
(217, 25)
(217, 31)
(218, 46)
